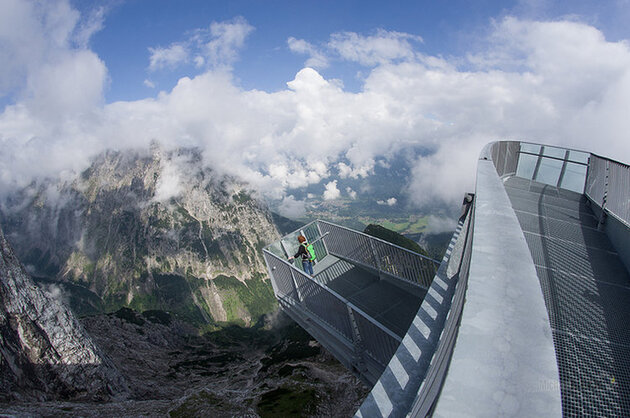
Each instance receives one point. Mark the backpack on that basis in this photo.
(311, 251)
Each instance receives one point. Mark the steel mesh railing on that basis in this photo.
(281, 275)
(596, 180)
(404, 264)
(324, 304)
(505, 157)
(379, 343)
(618, 200)
(352, 246)
(607, 185)
(382, 256)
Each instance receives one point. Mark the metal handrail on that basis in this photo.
(381, 240)
(295, 271)
(434, 380)
(379, 255)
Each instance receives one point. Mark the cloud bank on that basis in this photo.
(557, 82)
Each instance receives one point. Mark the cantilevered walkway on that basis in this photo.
(364, 294)
(528, 313)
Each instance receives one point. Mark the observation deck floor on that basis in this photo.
(587, 294)
(392, 306)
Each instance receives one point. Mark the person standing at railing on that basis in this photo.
(306, 255)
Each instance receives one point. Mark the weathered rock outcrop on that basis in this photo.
(44, 352)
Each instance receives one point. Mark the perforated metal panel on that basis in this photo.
(618, 199)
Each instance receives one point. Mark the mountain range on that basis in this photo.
(147, 229)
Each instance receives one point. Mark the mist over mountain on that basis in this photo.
(148, 229)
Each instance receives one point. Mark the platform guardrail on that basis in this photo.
(373, 344)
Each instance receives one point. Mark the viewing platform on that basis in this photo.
(364, 294)
(528, 313)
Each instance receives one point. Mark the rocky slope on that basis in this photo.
(150, 230)
(265, 371)
(44, 352)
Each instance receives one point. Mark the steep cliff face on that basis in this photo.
(44, 351)
(149, 230)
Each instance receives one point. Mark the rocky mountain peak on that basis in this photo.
(147, 229)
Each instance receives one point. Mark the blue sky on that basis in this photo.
(362, 82)
(265, 62)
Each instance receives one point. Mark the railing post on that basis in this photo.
(295, 287)
(357, 342)
(563, 169)
(376, 258)
(284, 248)
(540, 156)
(322, 237)
(602, 216)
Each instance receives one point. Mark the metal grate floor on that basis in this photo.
(587, 294)
(390, 305)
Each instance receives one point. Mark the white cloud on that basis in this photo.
(556, 82)
(227, 38)
(291, 207)
(71, 85)
(169, 183)
(317, 59)
(91, 25)
(331, 192)
(381, 48)
(31, 34)
(437, 225)
(216, 46)
(360, 171)
(148, 83)
(351, 193)
(448, 173)
(389, 202)
(169, 57)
